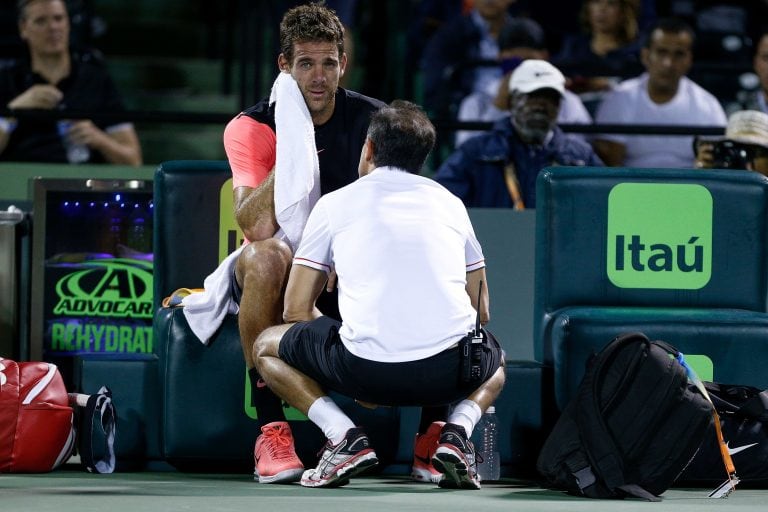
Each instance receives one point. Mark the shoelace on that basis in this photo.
(279, 443)
(478, 458)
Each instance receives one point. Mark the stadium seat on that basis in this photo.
(681, 255)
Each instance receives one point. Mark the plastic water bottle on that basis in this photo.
(487, 446)
(139, 237)
(76, 153)
(113, 226)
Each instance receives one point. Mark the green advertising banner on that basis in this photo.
(99, 306)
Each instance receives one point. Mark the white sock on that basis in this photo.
(466, 414)
(332, 421)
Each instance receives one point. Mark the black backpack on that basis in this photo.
(632, 427)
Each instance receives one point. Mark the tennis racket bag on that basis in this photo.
(743, 412)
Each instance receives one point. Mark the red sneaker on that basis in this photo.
(423, 449)
(275, 456)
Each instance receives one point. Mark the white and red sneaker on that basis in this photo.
(339, 463)
(455, 457)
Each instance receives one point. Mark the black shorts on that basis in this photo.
(315, 348)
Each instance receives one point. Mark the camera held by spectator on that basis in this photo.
(745, 145)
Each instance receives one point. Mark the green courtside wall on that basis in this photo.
(17, 190)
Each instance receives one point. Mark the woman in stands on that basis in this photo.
(608, 47)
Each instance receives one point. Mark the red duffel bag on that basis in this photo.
(36, 420)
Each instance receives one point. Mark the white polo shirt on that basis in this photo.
(630, 103)
(401, 245)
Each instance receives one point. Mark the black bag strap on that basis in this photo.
(751, 403)
(100, 410)
(600, 447)
(757, 406)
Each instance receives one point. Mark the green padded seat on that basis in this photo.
(723, 345)
(681, 255)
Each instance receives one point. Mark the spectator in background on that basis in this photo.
(607, 48)
(346, 10)
(427, 16)
(663, 95)
(559, 17)
(451, 60)
(54, 77)
(745, 145)
(517, 42)
(758, 98)
(498, 169)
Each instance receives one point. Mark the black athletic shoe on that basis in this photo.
(338, 463)
(455, 458)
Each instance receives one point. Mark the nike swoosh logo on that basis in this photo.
(733, 451)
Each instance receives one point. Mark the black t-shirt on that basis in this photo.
(87, 88)
(339, 140)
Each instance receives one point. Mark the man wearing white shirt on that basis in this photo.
(411, 280)
(663, 95)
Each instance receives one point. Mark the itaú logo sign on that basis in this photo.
(659, 236)
(115, 288)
